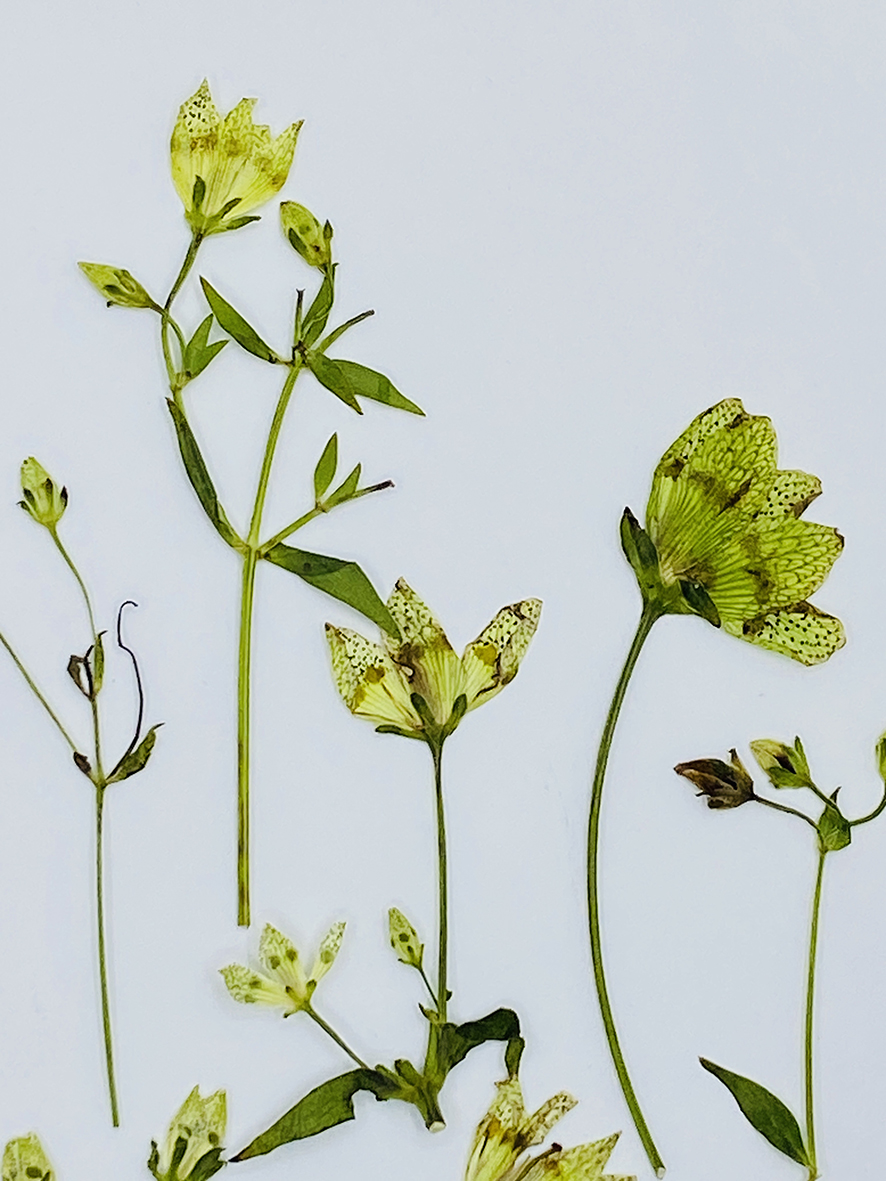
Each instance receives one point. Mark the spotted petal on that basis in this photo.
(329, 949)
(279, 957)
(371, 684)
(433, 667)
(492, 660)
(254, 988)
(584, 1163)
(24, 1159)
(802, 632)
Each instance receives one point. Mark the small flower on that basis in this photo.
(419, 687)
(223, 167)
(44, 500)
(786, 766)
(25, 1160)
(506, 1132)
(194, 1141)
(404, 939)
(285, 985)
(312, 240)
(727, 785)
(117, 286)
(726, 528)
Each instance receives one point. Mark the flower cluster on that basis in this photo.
(283, 984)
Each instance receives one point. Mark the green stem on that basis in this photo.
(810, 996)
(244, 662)
(33, 687)
(290, 529)
(335, 1037)
(102, 958)
(784, 808)
(862, 819)
(650, 614)
(166, 320)
(442, 886)
(428, 986)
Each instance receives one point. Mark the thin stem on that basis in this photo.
(270, 447)
(862, 819)
(650, 614)
(166, 320)
(442, 885)
(785, 808)
(102, 958)
(810, 996)
(303, 520)
(428, 986)
(335, 1037)
(33, 687)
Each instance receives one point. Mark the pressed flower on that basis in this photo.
(117, 286)
(43, 498)
(726, 785)
(194, 1141)
(507, 1132)
(25, 1160)
(284, 983)
(306, 235)
(723, 518)
(381, 684)
(224, 166)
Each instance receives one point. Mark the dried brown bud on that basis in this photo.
(727, 785)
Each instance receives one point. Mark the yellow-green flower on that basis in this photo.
(380, 683)
(25, 1160)
(283, 984)
(194, 1140)
(306, 235)
(724, 519)
(43, 498)
(223, 167)
(507, 1132)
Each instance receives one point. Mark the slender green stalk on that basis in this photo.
(102, 956)
(650, 614)
(335, 1037)
(428, 986)
(784, 808)
(167, 321)
(244, 662)
(442, 886)
(810, 998)
(870, 816)
(33, 687)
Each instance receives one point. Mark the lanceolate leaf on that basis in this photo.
(338, 578)
(318, 313)
(324, 472)
(331, 375)
(366, 383)
(457, 1041)
(199, 476)
(327, 1105)
(235, 326)
(764, 1111)
(199, 352)
(136, 760)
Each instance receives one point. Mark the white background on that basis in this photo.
(580, 225)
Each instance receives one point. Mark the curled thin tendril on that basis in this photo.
(138, 681)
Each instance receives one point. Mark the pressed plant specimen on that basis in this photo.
(46, 501)
(723, 540)
(417, 687)
(726, 786)
(223, 167)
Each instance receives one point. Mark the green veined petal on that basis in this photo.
(491, 661)
(791, 494)
(797, 557)
(802, 632)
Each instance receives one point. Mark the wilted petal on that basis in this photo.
(492, 660)
(583, 1163)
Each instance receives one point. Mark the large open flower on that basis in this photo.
(223, 167)
(507, 1132)
(381, 684)
(724, 518)
(284, 983)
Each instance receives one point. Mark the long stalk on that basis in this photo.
(337, 1038)
(244, 663)
(102, 956)
(810, 998)
(650, 614)
(442, 887)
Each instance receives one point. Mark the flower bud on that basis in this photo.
(312, 241)
(404, 939)
(785, 765)
(44, 500)
(727, 785)
(193, 1143)
(117, 286)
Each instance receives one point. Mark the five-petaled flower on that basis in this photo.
(223, 167)
(284, 983)
(725, 524)
(419, 687)
(507, 1132)
(194, 1142)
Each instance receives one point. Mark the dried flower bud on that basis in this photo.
(727, 785)
(312, 240)
(404, 939)
(44, 500)
(117, 286)
(785, 765)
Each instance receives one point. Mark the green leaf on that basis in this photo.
(234, 324)
(513, 1054)
(834, 830)
(457, 1041)
(324, 472)
(137, 759)
(699, 600)
(337, 578)
(318, 313)
(326, 1106)
(97, 664)
(764, 1111)
(332, 376)
(200, 479)
(346, 489)
(198, 351)
(366, 383)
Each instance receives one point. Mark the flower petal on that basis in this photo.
(492, 660)
(792, 493)
(253, 988)
(371, 685)
(279, 956)
(24, 1158)
(536, 1128)
(436, 671)
(583, 1163)
(329, 949)
(802, 632)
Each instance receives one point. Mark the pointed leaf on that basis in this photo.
(97, 664)
(457, 1041)
(198, 351)
(700, 601)
(324, 472)
(234, 324)
(332, 376)
(137, 759)
(200, 479)
(764, 1111)
(318, 313)
(834, 830)
(327, 1105)
(366, 383)
(346, 489)
(338, 578)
